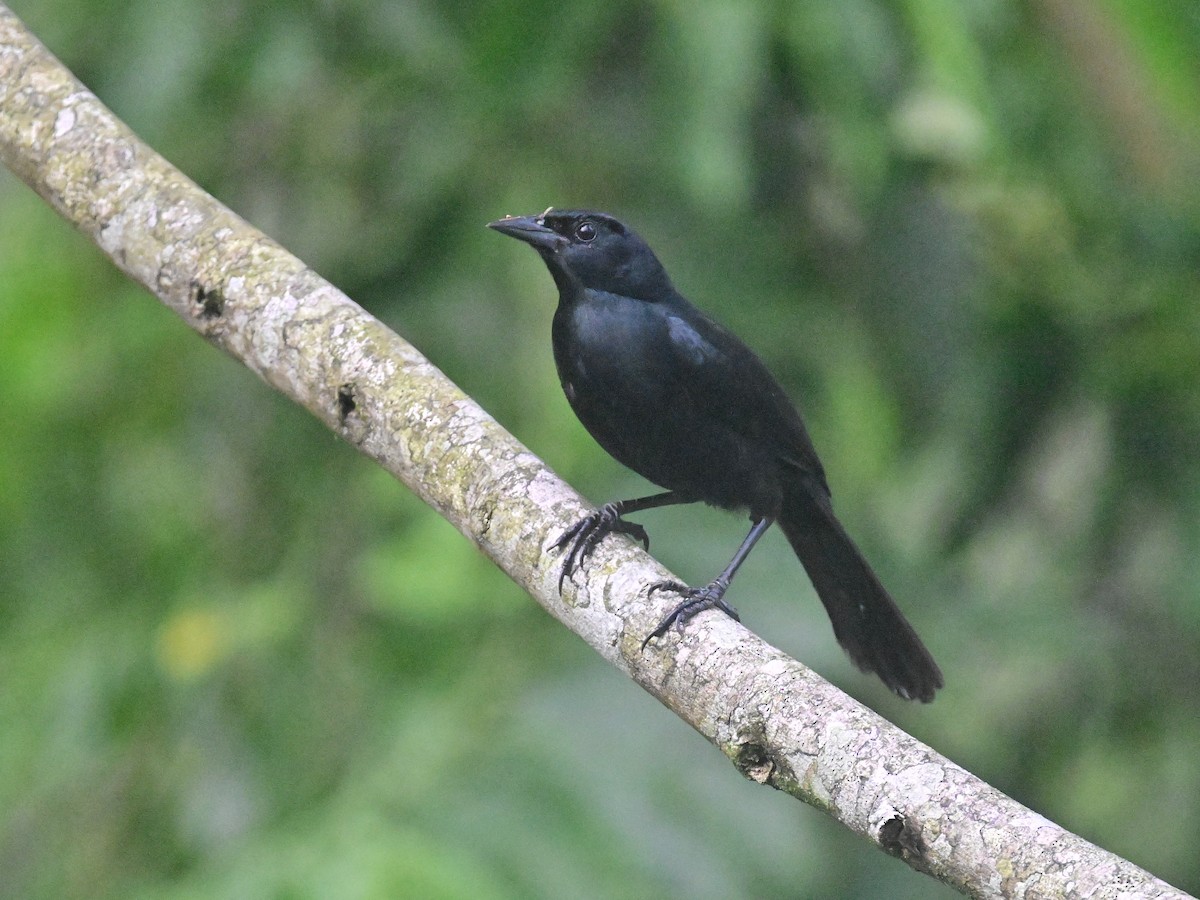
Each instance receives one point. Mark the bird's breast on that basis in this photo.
(628, 369)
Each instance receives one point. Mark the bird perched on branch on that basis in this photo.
(683, 402)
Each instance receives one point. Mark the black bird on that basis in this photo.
(683, 402)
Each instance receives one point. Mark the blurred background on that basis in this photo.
(237, 660)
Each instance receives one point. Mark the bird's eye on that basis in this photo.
(586, 232)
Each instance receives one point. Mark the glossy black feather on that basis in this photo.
(681, 400)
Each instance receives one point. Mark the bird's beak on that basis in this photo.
(531, 230)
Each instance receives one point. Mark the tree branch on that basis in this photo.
(778, 723)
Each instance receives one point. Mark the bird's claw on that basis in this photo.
(585, 535)
(696, 600)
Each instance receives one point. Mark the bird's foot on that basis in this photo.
(582, 538)
(696, 600)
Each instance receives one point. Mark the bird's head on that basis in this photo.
(585, 249)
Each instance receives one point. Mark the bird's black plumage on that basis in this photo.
(682, 401)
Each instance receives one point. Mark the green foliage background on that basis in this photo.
(236, 660)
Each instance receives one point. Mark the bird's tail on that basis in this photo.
(866, 621)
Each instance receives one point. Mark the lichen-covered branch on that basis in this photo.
(777, 722)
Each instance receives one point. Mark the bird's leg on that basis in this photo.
(712, 595)
(582, 537)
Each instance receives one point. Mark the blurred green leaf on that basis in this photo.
(239, 660)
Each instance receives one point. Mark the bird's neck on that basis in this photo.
(649, 284)
(563, 280)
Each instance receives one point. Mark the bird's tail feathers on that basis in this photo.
(866, 621)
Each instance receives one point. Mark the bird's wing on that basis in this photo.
(717, 372)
